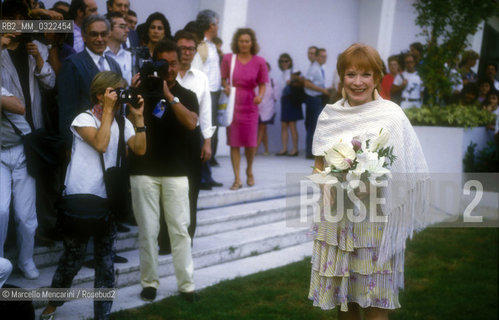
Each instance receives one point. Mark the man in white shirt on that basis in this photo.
(208, 61)
(123, 7)
(312, 53)
(409, 83)
(78, 11)
(17, 187)
(115, 50)
(315, 87)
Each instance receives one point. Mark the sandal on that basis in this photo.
(294, 154)
(280, 154)
(236, 186)
(251, 180)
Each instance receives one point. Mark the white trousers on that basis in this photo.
(16, 182)
(5, 270)
(173, 193)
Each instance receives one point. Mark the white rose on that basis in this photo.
(341, 156)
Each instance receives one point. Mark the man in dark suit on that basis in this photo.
(78, 70)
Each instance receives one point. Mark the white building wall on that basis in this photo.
(405, 30)
(292, 26)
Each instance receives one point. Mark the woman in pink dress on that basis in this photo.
(250, 72)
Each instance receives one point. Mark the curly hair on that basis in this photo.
(239, 32)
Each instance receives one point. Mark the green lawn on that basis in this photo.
(450, 274)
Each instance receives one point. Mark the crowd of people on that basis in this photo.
(74, 87)
(69, 85)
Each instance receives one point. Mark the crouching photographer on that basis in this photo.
(159, 178)
(87, 207)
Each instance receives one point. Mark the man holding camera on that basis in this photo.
(159, 178)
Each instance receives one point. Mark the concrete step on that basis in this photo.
(208, 251)
(128, 297)
(210, 221)
(216, 220)
(221, 197)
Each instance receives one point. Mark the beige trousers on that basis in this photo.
(173, 193)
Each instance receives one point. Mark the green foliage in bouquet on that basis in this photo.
(446, 25)
(485, 160)
(450, 116)
(387, 152)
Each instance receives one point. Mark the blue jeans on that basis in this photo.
(313, 110)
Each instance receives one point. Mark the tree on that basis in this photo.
(446, 24)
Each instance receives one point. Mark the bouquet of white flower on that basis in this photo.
(356, 158)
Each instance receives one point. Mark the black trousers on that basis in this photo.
(215, 96)
(72, 260)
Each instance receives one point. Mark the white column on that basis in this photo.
(235, 15)
(376, 24)
(385, 32)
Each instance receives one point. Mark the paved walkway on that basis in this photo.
(268, 170)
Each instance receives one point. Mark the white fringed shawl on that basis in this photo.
(407, 194)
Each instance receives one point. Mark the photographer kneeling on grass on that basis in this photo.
(87, 209)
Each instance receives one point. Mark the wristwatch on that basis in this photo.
(175, 100)
(140, 129)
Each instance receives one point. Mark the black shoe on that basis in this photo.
(216, 184)
(190, 296)
(119, 259)
(205, 186)
(214, 162)
(148, 294)
(280, 154)
(122, 228)
(294, 154)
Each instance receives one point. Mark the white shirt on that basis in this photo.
(96, 57)
(211, 67)
(316, 75)
(196, 81)
(8, 137)
(84, 172)
(124, 59)
(414, 85)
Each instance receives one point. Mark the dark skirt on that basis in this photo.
(291, 105)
